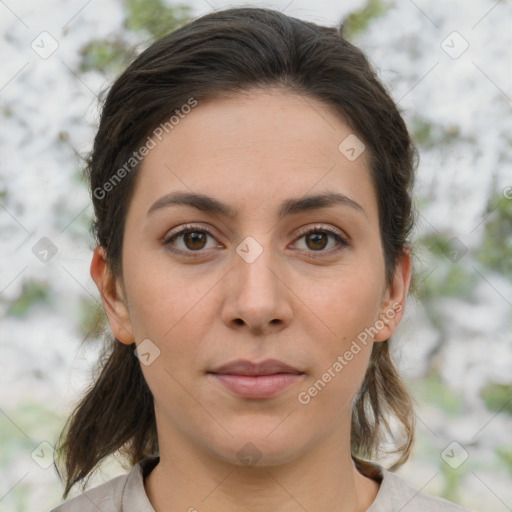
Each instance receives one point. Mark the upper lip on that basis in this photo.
(245, 367)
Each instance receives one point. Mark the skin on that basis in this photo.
(253, 151)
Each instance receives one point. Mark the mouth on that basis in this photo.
(256, 380)
(245, 367)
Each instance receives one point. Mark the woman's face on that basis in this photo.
(278, 258)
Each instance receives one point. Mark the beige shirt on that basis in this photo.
(126, 493)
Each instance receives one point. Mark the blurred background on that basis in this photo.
(448, 66)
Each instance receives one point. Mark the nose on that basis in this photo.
(257, 297)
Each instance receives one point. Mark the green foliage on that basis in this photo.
(495, 252)
(427, 451)
(6, 111)
(33, 292)
(427, 134)
(149, 17)
(154, 17)
(358, 21)
(437, 243)
(22, 430)
(505, 455)
(444, 277)
(92, 320)
(422, 130)
(498, 397)
(439, 273)
(433, 390)
(452, 481)
(447, 280)
(106, 56)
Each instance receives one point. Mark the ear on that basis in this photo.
(393, 305)
(112, 296)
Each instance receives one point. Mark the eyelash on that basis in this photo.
(343, 243)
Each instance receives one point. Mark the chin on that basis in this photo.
(251, 448)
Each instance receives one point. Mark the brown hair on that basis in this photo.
(222, 52)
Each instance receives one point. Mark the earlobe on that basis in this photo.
(112, 297)
(393, 306)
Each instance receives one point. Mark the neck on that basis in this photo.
(323, 479)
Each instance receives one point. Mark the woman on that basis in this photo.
(251, 180)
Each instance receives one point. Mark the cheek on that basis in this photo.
(348, 312)
(348, 303)
(330, 392)
(163, 300)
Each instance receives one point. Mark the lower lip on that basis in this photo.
(258, 386)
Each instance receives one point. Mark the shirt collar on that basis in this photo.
(135, 498)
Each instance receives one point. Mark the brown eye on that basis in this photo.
(321, 240)
(194, 240)
(190, 240)
(316, 241)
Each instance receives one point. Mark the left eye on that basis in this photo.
(317, 239)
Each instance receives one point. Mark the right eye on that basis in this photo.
(192, 239)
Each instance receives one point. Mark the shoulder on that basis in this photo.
(396, 492)
(124, 493)
(106, 497)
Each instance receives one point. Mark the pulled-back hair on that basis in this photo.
(224, 52)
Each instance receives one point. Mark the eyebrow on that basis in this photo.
(288, 207)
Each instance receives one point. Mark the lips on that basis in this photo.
(245, 367)
(256, 380)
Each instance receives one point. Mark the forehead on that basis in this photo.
(254, 148)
